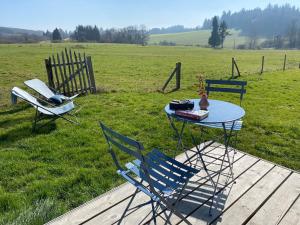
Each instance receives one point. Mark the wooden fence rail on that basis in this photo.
(233, 67)
(284, 62)
(262, 64)
(176, 71)
(70, 73)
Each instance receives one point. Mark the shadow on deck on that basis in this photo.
(261, 193)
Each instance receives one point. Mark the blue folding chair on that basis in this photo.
(238, 89)
(229, 86)
(160, 177)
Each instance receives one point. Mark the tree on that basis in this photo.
(298, 39)
(214, 39)
(96, 33)
(223, 32)
(252, 37)
(56, 35)
(292, 34)
(278, 42)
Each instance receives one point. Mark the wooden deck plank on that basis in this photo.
(293, 215)
(250, 201)
(93, 207)
(200, 208)
(233, 191)
(112, 217)
(280, 202)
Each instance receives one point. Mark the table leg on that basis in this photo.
(178, 133)
(202, 161)
(227, 136)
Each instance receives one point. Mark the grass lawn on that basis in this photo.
(47, 173)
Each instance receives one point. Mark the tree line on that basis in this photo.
(20, 38)
(129, 35)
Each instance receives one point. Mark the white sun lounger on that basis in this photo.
(41, 88)
(42, 111)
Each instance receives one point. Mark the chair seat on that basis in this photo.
(237, 125)
(166, 173)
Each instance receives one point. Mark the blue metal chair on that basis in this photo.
(160, 177)
(237, 87)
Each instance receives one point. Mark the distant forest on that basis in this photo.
(269, 22)
(129, 35)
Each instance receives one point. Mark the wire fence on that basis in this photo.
(265, 63)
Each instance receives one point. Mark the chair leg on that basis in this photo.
(127, 207)
(174, 210)
(35, 120)
(153, 211)
(180, 194)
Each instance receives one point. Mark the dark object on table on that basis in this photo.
(181, 105)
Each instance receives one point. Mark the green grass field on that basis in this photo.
(47, 173)
(197, 38)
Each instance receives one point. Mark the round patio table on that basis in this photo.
(219, 112)
(222, 115)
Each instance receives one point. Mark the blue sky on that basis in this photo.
(48, 14)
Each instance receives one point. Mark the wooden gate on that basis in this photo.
(70, 73)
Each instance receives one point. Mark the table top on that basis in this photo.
(219, 112)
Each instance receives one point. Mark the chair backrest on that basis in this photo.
(25, 96)
(40, 87)
(123, 143)
(161, 173)
(235, 86)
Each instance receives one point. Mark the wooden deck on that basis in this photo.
(262, 193)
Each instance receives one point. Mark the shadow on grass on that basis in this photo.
(168, 91)
(20, 133)
(9, 122)
(15, 109)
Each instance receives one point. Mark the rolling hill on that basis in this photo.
(197, 38)
(17, 31)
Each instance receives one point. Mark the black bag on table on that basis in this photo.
(181, 105)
